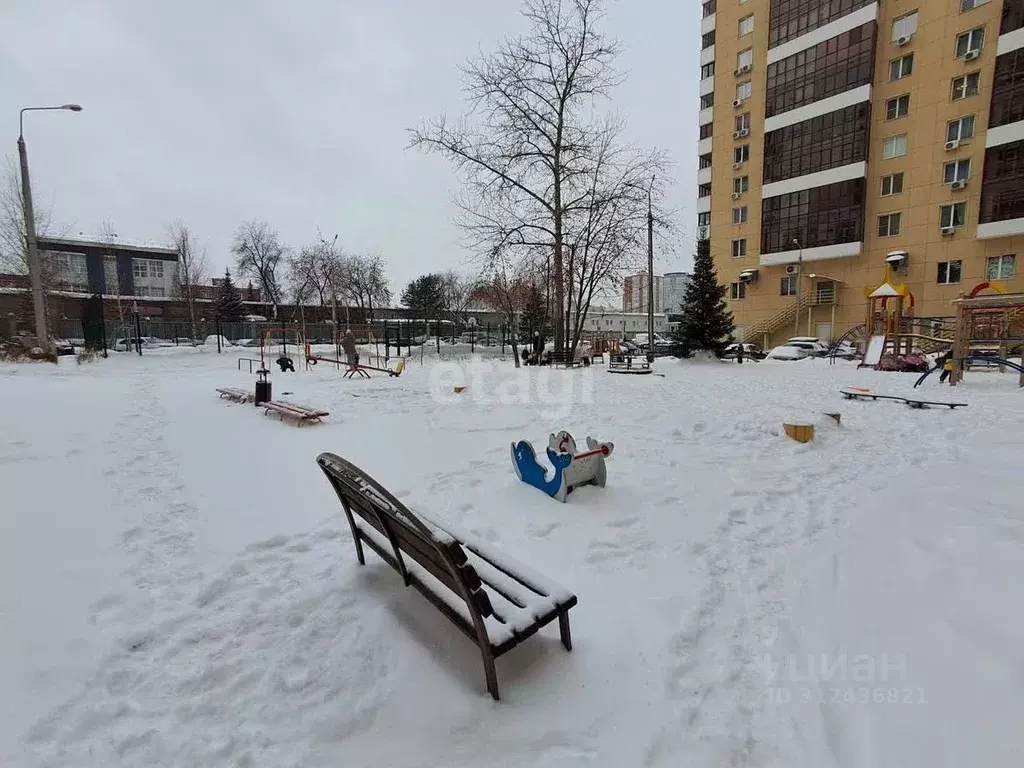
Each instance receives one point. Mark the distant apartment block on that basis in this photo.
(673, 291)
(634, 293)
(841, 140)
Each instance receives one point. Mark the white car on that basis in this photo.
(788, 352)
(810, 343)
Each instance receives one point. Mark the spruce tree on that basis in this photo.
(707, 322)
(229, 307)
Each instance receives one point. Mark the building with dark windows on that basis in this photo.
(109, 268)
(844, 140)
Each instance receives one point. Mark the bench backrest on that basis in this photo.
(432, 549)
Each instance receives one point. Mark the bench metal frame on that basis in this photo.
(352, 485)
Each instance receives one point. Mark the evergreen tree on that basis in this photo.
(707, 322)
(425, 294)
(229, 307)
(532, 319)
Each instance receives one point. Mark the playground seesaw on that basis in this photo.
(857, 393)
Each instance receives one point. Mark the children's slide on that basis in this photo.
(873, 353)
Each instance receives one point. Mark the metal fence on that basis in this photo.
(442, 338)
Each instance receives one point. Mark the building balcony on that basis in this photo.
(824, 295)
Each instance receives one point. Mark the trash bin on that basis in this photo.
(262, 387)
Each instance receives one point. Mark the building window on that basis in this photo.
(898, 107)
(739, 248)
(707, 40)
(1007, 89)
(904, 26)
(708, 70)
(704, 161)
(146, 269)
(704, 190)
(741, 154)
(892, 184)
(709, 8)
(746, 25)
(1002, 189)
(704, 219)
(969, 41)
(707, 100)
(967, 5)
(960, 129)
(707, 130)
(952, 215)
(1013, 17)
(788, 286)
(894, 146)
(739, 214)
(72, 270)
(738, 290)
(818, 144)
(826, 69)
(743, 91)
(825, 215)
(743, 122)
(741, 184)
(901, 67)
(1000, 267)
(949, 272)
(956, 170)
(790, 19)
(889, 224)
(745, 59)
(110, 277)
(966, 85)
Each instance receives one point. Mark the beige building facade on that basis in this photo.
(840, 139)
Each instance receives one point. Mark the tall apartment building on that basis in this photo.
(673, 291)
(634, 293)
(839, 138)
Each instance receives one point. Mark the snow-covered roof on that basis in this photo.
(883, 291)
(110, 243)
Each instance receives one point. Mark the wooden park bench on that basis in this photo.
(236, 395)
(495, 601)
(562, 360)
(300, 413)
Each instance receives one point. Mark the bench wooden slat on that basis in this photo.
(491, 598)
(300, 413)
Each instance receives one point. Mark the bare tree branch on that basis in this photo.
(258, 253)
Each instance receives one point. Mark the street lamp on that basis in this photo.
(35, 270)
(799, 270)
(650, 266)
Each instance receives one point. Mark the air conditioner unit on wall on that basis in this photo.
(741, 70)
(738, 103)
(958, 184)
(736, 195)
(792, 269)
(971, 55)
(902, 41)
(951, 145)
(743, 132)
(737, 166)
(947, 231)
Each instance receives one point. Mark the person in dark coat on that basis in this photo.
(947, 365)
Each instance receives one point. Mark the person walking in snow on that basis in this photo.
(348, 343)
(947, 365)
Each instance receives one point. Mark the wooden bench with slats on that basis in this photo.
(235, 395)
(300, 413)
(495, 601)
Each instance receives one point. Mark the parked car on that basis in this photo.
(788, 352)
(127, 344)
(640, 341)
(810, 343)
(749, 350)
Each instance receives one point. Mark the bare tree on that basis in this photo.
(258, 253)
(13, 242)
(458, 294)
(365, 283)
(192, 266)
(529, 133)
(505, 287)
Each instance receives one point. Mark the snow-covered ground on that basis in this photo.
(178, 586)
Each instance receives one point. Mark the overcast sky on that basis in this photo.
(294, 112)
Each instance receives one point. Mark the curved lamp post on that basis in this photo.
(31, 248)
